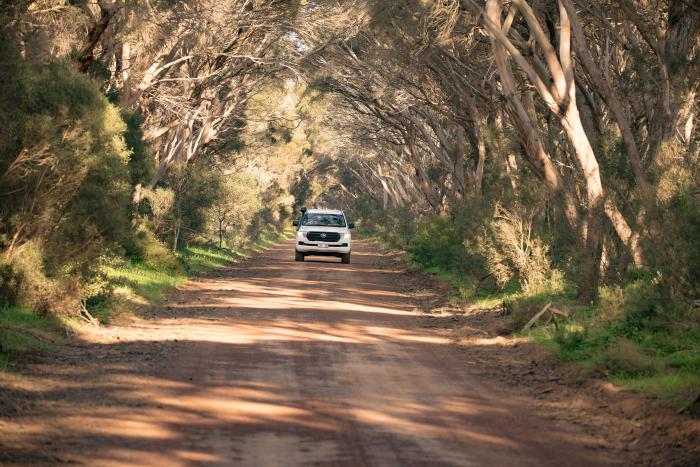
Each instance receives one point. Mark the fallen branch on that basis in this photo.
(481, 281)
(536, 317)
(85, 315)
(559, 312)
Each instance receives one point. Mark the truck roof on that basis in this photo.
(324, 211)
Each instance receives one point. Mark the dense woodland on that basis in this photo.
(533, 150)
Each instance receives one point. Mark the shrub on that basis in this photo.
(521, 309)
(10, 283)
(610, 305)
(65, 177)
(146, 248)
(439, 244)
(625, 358)
(512, 249)
(30, 287)
(160, 201)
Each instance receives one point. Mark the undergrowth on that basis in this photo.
(127, 285)
(24, 332)
(634, 335)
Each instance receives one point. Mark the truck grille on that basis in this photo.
(323, 236)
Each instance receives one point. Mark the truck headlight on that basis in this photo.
(300, 234)
(346, 236)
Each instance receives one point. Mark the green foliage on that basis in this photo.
(673, 239)
(147, 249)
(196, 188)
(65, 179)
(232, 215)
(141, 160)
(160, 202)
(22, 332)
(513, 250)
(680, 243)
(439, 243)
(635, 336)
(10, 283)
(395, 226)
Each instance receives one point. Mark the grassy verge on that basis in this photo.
(136, 283)
(133, 284)
(634, 336)
(634, 340)
(24, 332)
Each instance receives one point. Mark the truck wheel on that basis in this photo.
(345, 259)
(298, 256)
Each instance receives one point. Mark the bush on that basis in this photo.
(65, 178)
(439, 244)
(146, 248)
(35, 290)
(512, 250)
(624, 358)
(10, 283)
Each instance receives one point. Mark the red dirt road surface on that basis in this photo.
(277, 363)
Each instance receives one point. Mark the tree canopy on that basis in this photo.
(551, 136)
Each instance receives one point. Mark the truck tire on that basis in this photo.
(298, 256)
(345, 259)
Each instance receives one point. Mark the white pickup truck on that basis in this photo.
(323, 232)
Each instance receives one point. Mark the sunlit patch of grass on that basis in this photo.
(271, 238)
(676, 387)
(640, 344)
(198, 260)
(143, 280)
(23, 331)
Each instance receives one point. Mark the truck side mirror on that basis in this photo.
(351, 225)
(295, 223)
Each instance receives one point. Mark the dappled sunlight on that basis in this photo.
(284, 330)
(283, 370)
(137, 426)
(495, 341)
(406, 426)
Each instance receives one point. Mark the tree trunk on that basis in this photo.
(85, 54)
(221, 234)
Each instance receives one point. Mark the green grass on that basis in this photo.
(633, 336)
(144, 281)
(198, 260)
(271, 238)
(134, 283)
(674, 387)
(22, 331)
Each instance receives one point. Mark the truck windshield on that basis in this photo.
(323, 220)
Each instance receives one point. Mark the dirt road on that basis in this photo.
(273, 362)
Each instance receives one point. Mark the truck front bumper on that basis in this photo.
(322, 249)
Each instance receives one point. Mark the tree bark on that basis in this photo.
(86, 51)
